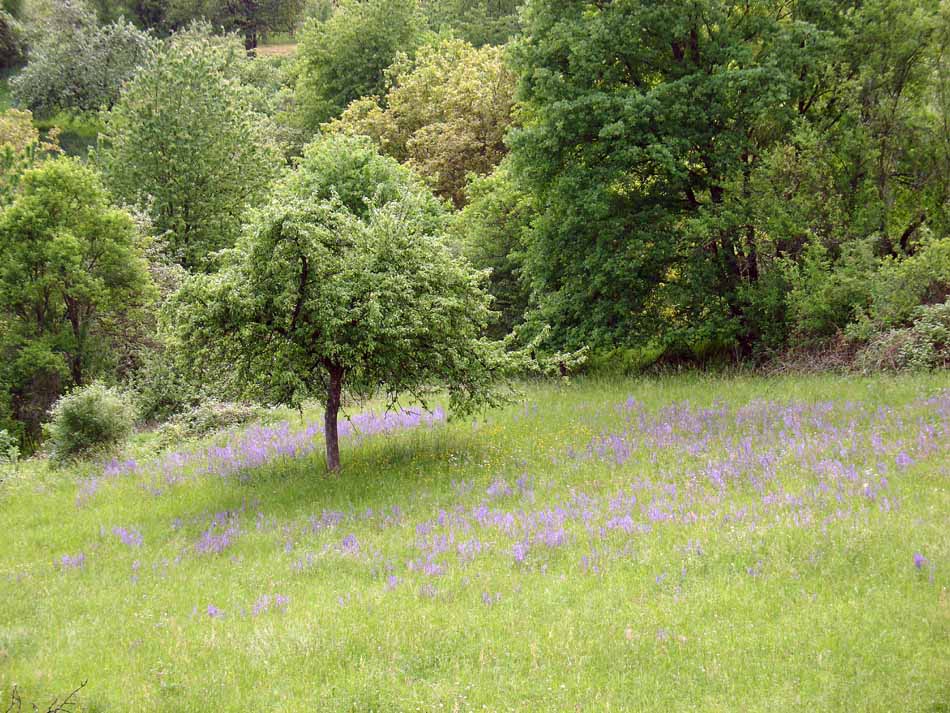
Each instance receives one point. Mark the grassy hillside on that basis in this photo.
(676, 544)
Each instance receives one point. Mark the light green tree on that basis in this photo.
(343, 284)
(445, 114)
(186, 143)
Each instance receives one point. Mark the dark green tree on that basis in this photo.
(648, 126)
(346, 57)
(69, 262)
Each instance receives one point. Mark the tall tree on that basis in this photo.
(68, 261)
(646, 124)
(343, 284)
(187, 144)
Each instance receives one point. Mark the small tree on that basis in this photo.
(343, 284)
(186, 143)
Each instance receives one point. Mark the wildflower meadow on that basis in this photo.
(684, 543)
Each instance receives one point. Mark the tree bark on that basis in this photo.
(334, 391)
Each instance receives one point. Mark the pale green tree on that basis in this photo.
(186, 143)
(445, 113)
(343, 284)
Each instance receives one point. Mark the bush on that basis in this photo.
(205, 418)
(923, 345)
(90, 420)
(826, 294)
(9, 450)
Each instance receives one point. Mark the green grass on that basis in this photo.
(790, 587)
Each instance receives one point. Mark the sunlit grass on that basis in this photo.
(575, 551)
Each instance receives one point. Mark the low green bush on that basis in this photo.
(923, 345)
(88, 421)
(207, 417)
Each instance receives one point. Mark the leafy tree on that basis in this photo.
(445, 114)
(20, 149)
(250, 18)
(481, 22)
(346, 56)
(77, 64)
(68, 261)
(648, 127)
(343, 284)
(12, 44)
(186, 143)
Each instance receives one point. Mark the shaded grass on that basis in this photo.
(838, 619)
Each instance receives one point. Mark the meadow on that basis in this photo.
(680, 543)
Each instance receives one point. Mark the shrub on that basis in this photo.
(207, 417)
(161, 391)
(89, 420)
(923, 345)
(9, 450)
(825, 295)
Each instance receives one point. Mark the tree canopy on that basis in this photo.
(445, 114)
(649, 126)
(346, 56)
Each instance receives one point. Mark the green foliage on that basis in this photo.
(492, 231)
(186, 143)
(9, 448)
(445, 114)
(343, 282)
(89, 420)
(69, 264)
(825, 296)
(925, 344)
(346, 57)
(12, 42)
(902, 284)
(684, 153)
(481, 22)
(205, 418)
(252, 19)
(80, 66)
(20, 150)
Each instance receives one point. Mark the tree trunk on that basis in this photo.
(334, 391)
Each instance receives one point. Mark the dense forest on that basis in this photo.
(435, 194)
